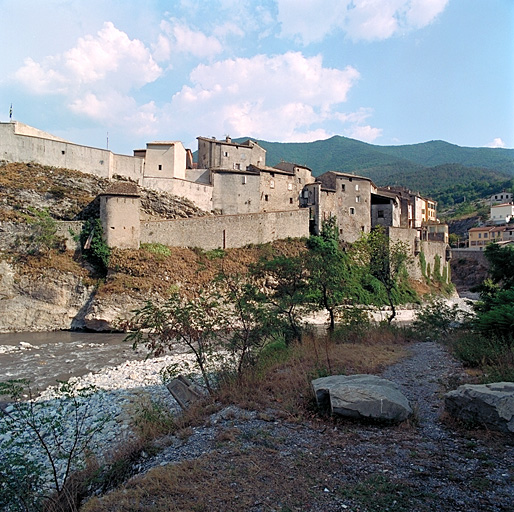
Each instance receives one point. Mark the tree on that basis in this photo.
(198, 323)
(332, 280)
(249, 323)
(286, 290)
(385, 260)
(495, 309)
(42, 442)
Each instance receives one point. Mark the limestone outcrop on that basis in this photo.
(56, 300)
(488, 405)
(48, 302)
(362, 397)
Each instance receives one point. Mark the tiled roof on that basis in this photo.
(122, 188)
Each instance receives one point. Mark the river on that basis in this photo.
(45, 357)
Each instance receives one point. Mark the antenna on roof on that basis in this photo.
(10, 113)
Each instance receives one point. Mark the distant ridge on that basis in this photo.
(349, 155)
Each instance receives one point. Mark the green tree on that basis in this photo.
(94, 248)
(285, 291)
(332, 279)
(495, 310)
(198, 323)
(385, 260)
(250, 325)
(43, 237)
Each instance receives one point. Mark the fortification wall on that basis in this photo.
(18, 147)
(227, 231)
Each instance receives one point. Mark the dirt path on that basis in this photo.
(250, 461)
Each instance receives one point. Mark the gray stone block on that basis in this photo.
(362, 396)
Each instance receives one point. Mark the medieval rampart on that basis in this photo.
(19, 146)
(227, 231)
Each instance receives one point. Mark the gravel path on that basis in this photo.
(422, 466)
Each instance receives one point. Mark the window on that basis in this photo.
(342, 187)
(357, 199)
(225, 153)
(160, 167)
(244, 180)
(352, 211)
(380, 214)
(63, 152)
(299, 180)
(479, 235)
(357, 186)
(266, 197)
(272, 184)
(237, 167)
(289, 186)
(290, 200)
(485, 235)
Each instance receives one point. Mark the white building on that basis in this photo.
(502, 213)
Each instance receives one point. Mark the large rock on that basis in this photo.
(362, 396)
(489, 405)
(49, 302)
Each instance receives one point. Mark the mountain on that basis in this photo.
(350, 155)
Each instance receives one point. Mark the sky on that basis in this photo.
(121, 73)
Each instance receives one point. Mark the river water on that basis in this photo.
(45, 357)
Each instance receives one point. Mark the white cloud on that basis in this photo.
(311, 20)
(496, 143)
(282, 97)
(364, 133)
(183, 39)
(108, 60)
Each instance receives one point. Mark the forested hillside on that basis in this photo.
(349, 155)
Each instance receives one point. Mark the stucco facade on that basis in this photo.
(235, 191)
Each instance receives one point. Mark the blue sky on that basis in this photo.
(381, 71)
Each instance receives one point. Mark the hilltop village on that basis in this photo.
(249, 201)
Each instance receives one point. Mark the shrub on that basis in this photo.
(42, 442)
(94, 248)
(437, 319)
(159, 249)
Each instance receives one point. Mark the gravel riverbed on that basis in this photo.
(274, 464)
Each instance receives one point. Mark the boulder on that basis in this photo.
(363, 397)
(489, 405)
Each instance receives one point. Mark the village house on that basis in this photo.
(502, 213)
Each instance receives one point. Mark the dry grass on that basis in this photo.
(38, 264)
(145, 272)
(50, 183)
(282, 381)
(236, 477)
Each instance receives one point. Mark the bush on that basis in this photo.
(437, 319)
(42, 442)
(94, 248)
